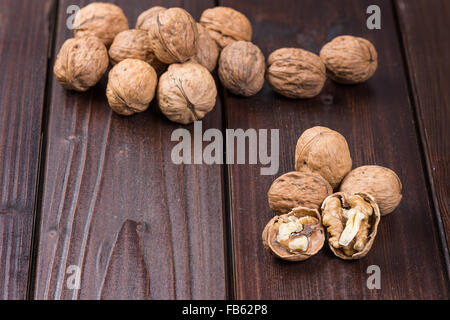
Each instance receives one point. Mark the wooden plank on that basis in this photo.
(115, 205)
(24, 41)
(376, 119)
(424, 28)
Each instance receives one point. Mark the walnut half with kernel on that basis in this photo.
(351, 222)
(295, 236)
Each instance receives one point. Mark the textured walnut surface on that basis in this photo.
(349, 59)
(294, 189)
(173, 35)
(81, 63)
(134, 44)
(143, 21)
(131, 86)
(186, 92)
(295, 73)
(103, 20)
(325, 152)
(226, 25)
(207, 50)
(242, 68)
(380, 182)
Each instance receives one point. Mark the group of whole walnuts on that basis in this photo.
(169, 44)
(305, 203)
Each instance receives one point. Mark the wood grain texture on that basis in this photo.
(377, 121)
(114, 204)
(424, 28)
(23, 56)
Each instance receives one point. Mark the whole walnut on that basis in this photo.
(173, 35)
(242, 68)
(103, 20)
(134, 44)
(294, 189)
(131, 86)
(186, 92)
(380, 182)
(349, 59)
(325, 152)
(143, 21)
(207, 50)
(295, 73)
(295, 236)
(226, 25)
(81, 63)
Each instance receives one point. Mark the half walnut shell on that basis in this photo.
(286, 242)
(351, 223)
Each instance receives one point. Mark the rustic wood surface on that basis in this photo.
(23, 56)
(376, 118)
(115, 205)
(428, 56)
(110, 201)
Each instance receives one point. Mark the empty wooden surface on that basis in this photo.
(427, 48)
(23, 60)
(376, 118)
(110, 202)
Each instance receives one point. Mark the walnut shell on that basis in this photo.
(134, 44)
(207, 50)
(103, 20)
(380, 182)
(295, 189)
(173, 35)
(226, 25)
(81, 63)
(131, 86)
(143, 21)
(186, 92)
(241, 68)
(314, 233)
(372, 229)
(295, 73)
(325, 152)
(349, 59)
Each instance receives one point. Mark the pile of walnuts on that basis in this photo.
(308, 211)
(170, 55)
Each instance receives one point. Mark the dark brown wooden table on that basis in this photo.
(81, 186)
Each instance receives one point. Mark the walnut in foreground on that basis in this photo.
(295, 73)
(173, 35)
(81, 63)
(351, 221)
(207, 50)
(134, 44)
(186, 92)
(131, 86)
(242, 68)
(143, 21)
(103, 20)
(297, 189)
(226, 25)
(325, 152)
(349, 59)
(380, 182)
(295, 236)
